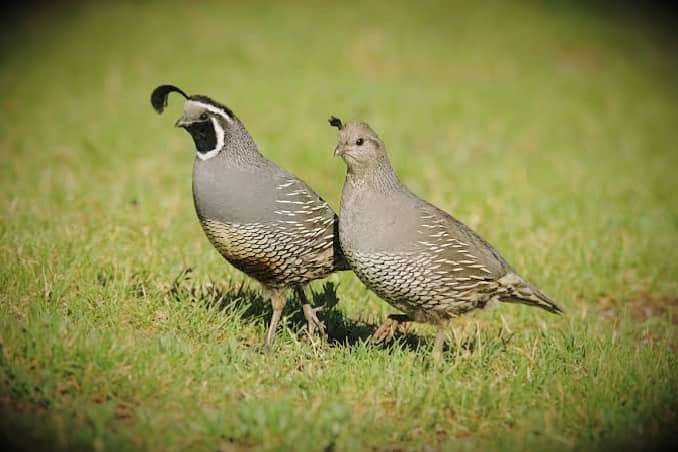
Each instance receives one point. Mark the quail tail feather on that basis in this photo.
(517, 290)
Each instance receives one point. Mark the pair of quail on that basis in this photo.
(273, 227)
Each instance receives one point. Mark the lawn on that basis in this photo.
(549, 128)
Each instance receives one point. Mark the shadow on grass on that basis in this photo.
(252, 304)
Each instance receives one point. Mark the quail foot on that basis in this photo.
(415, 256)
(265, 221)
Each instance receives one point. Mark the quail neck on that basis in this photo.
(221, 172)
(238, 183)
(378, 210)
(373, 198)
(216, 131)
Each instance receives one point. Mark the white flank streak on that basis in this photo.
(468, 286)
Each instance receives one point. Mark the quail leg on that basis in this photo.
(311, 313)
(441, 337)
(278, 301)
(387, 329)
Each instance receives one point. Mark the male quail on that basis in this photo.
(266, 222)
(415, 256)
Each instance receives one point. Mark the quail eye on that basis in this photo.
(359, 141)
(203, 116)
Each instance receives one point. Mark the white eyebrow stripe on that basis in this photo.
(212, 108)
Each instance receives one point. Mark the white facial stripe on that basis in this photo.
(213, 109)
(219, 132)
(207, 155)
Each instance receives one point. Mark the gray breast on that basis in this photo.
(268, 224)
(230, 193)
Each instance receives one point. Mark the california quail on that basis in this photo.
(266, 222)
(415, 256)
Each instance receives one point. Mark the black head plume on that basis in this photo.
(160, 94)
(335, 122)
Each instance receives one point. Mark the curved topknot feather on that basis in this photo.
(160, 94)
(335, 122)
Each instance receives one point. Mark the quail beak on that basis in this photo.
(339, 151)
(182, 122)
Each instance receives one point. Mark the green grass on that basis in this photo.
(548, 128)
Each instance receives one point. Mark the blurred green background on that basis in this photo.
(549, 127)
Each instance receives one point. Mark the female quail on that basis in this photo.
(266, 222)
(413, 255)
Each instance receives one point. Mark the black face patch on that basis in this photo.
(204, 136)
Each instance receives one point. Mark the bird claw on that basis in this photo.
(384, 334)
(313, 320)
